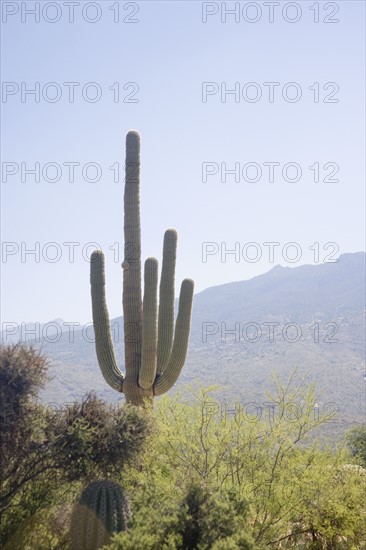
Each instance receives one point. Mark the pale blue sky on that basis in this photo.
(169, 53)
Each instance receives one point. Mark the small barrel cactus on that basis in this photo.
(101, 511)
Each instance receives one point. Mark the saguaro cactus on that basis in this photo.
(154, 351)
(101, 511)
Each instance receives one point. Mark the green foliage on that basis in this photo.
(290, 487)
(356, 440)
(23, 456)
(22, 375)
(196, 519)
(208, 476)
(46, 454)
(92, 439)
(207, 520)
(101, 511)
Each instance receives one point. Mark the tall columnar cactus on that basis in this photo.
(101, 511)
(154, 351)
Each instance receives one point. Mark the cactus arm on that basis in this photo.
(103, 339)
(149, 326)
(179, 350)
(166, 300)
(132, 303)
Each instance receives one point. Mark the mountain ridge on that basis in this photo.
(232, 343)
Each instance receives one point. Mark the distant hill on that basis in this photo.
(310, 317)
(297, 293)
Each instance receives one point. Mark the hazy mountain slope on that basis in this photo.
(325, 304)
(297, 293)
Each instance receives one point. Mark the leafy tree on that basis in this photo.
(198, 520)
(47, 454)
(209, 476)
(206, 520)
(272, 462)
(90, 439)
(22, 374)
(356, 440)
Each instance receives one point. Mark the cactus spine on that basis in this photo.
(154, 351)
(101, 511)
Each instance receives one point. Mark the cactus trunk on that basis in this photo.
(154, 351)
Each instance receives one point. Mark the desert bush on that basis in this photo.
(46, 454)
